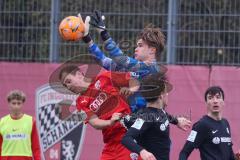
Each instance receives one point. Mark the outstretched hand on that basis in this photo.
(145, 155)
(97, 20)
(115, 117)
(86, 36)
(183, 123)
(86, 24)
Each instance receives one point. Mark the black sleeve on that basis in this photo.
(128, 120)
(194, 140)
(186, 151)
(232, 155)
(172, 119)
(138, 128)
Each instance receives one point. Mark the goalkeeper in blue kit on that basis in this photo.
(150, 44)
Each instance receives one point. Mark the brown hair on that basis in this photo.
(153, 37)
(153, 85)
(70, 69)
(16, 94)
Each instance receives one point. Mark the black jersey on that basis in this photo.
(128, 120)
(212, 138)
(151, 131)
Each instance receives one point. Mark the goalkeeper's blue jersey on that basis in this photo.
(119, 62)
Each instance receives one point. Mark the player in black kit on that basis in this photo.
(211, 134)
(149, 134)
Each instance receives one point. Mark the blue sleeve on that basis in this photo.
(117, 55)
(96, 51)
(126, 62)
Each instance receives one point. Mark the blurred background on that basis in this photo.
(202, 49)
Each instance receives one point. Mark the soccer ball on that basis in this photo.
(71, 28)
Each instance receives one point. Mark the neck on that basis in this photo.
(150, 60)
(216, 116)
(157, 104)
(16, 115)
(86, 83)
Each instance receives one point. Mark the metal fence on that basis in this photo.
(208, 32)
(198, 32)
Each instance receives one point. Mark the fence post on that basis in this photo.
(171, 31)
(54, 39)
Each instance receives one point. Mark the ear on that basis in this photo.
(161, 97)
(153, 50)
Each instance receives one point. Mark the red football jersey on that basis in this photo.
(103, 99)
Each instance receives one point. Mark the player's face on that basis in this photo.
(142, 51)
(15, 105)
(215, 103)
(74, 82)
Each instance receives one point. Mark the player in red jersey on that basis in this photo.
(104, 105)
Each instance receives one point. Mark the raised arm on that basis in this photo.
(93, 48)
(110, 46)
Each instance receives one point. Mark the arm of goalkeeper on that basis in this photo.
(92, 47)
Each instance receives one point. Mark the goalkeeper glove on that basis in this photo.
(97, 20)
(86, 36)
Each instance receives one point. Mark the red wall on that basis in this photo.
(189, 82)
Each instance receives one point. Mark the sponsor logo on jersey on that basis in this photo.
(97, 85)
(164, 125)
(215, 131)
(217, 140)
(100, 99)
(16, 136)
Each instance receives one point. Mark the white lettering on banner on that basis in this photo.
(52, 97)
(100, 99)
